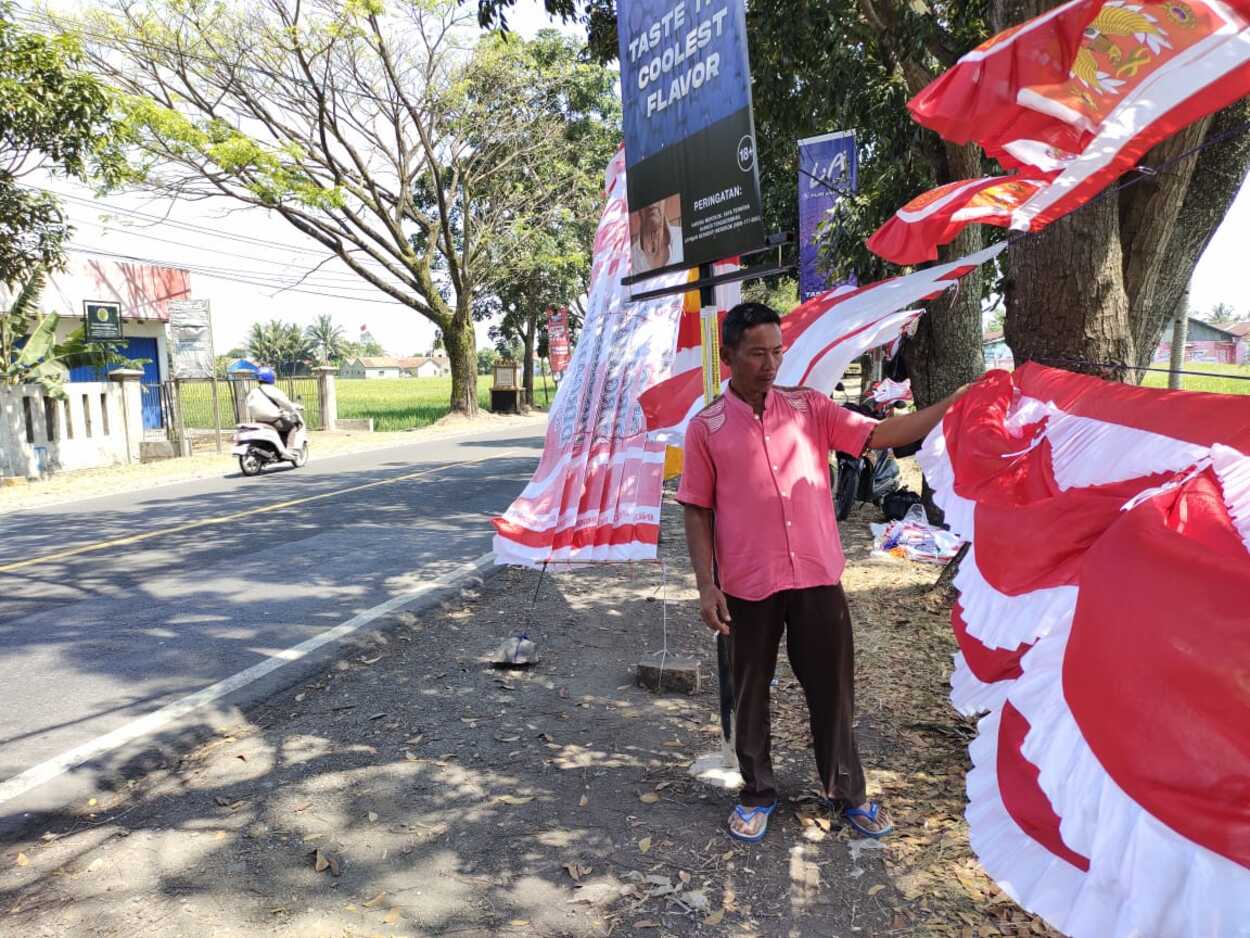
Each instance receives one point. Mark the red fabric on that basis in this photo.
(767, 479)
(1192, 416)
(976, 99)
(1157, 669)
(1021, 794)
(988, 665)
(913, 233)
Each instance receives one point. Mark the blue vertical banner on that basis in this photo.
(691, 177)
(828, 169)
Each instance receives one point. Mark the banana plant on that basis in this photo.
(29, 353)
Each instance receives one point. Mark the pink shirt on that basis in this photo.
(768, 482)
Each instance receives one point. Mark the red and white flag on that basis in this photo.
(914, 232)
(596, 493)
(1088, 110)
(822, 337)
(1102, 628)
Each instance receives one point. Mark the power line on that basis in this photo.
(355, 280)
(214, 272)
(185, 225)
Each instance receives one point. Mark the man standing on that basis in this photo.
(757, 464)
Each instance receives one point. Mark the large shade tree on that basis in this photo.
(358, 125)
(1099, 286)
(547, 261)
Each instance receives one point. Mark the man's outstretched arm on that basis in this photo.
(908, 428)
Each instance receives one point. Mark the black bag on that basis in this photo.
(895, 504)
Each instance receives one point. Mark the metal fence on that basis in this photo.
(209, 403)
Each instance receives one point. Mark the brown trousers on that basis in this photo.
(817, 624)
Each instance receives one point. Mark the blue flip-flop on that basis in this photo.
(747, 815)
(871, 814)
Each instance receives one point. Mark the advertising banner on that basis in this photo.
(694, 190)
(558, 338)
(828, 169)
(191, 338)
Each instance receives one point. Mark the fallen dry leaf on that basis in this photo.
(519, 922)
(373, 816)
(585, 801)
(715, 918)
(873, 890)
(375, 901)
(649, 797)
(23, 860)
(644, 845)
(323, 861)
(514, 799)
(391, 917)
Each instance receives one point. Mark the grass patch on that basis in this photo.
(403, 403)
(1221, 379)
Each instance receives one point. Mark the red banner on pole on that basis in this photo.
(558, 338)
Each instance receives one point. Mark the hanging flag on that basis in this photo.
(596, 492)
(822, 337)
(915, 231)
(1101, 626)
(828, 171)
(558, 338)
(1088, 110)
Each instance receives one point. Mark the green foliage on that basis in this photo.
(328, 339)
(283, 346)
(545, 260)
(486, 358)
(53, 115)
(1220, 314)
(781, 293)
(399, 403)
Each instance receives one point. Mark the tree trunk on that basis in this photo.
(527, 359)
(946, 349)
(461, 346)
(1180, 335)
(1065, 295)
(1218, 174)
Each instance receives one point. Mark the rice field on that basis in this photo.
(404, 403)
(1221, 379)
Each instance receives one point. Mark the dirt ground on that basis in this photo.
(414, 790)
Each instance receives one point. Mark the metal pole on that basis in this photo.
(542, 367)
(710, 337)
(216, 414)
(1180, 335)
(184, 445)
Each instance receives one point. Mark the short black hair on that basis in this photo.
(743, 317)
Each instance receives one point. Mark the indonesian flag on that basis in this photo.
(596, 492)
(913, 233)
(1088, 110)
(1102, 628)
(822, 337)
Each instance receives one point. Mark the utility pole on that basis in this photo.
(1180, 335)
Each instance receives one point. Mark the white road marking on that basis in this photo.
(58, 765)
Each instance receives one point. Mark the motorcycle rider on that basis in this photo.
(267, 404)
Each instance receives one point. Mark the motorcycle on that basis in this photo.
(259, 444)
(867, 478)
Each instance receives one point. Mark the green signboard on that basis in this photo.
(104, 320)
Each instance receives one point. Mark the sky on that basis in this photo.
(254, 253)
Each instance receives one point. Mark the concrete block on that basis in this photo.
(156, 450)
(660, 671)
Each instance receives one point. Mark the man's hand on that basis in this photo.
(911, 428)
(714, 609)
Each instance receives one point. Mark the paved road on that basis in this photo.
(91, 641)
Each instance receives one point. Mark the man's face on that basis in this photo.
(754, 362)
